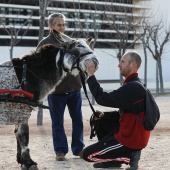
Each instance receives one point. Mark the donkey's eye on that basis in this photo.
(80, 45)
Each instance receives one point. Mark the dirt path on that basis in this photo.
(155, 156)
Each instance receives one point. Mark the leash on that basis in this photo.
(85, 91)
(93, 123)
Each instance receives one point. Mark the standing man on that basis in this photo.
(68, 92)
(121, 135)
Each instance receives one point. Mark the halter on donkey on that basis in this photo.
(44, 69)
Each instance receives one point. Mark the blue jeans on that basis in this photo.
(57, 104)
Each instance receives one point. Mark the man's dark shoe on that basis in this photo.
(134, 160)
(130, 168)
(80, 154)
(60, 157)
(107, 164)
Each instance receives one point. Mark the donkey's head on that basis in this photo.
(75, 51)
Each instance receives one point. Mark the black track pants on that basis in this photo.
(107, 149)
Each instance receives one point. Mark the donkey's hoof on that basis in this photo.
(33, 167)
(23, 167)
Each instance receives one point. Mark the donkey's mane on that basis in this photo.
(40, 56)
(41, 68)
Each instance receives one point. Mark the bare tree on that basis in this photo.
(124, 30)
(156, 38)
(15, 32)
(95, 26)
(143, 39)
(43, 4)
(85, 24)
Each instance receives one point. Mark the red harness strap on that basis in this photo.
(16, 92)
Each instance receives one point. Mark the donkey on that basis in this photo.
(37, 73)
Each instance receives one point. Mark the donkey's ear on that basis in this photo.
(62, 38)
(89, 40)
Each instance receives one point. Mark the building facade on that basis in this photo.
(105, 20)
(96, 18)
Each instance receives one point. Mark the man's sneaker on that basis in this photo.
(130, 168)
(135, 157)
(80, 154)
(107, 164)
(60, 157)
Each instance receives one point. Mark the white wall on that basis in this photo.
(108, 64)
(108, 68)
(17, 53)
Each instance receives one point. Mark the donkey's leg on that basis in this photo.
(19, 160)
(23, 156)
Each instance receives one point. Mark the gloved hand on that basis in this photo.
(98, 115)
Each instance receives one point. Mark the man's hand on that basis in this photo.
(90, 67)
(101, 114)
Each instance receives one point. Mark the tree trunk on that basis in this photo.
(12, 45)
(145, 67)
(11, 52)
(157, 80)
(160, 76)
(40, 116)
(42, 11)
(119, 55)
(41, 28)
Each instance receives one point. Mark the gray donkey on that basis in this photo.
(27, 80)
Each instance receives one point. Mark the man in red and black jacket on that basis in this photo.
(121, 135)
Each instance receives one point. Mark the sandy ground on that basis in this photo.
(156, 156)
